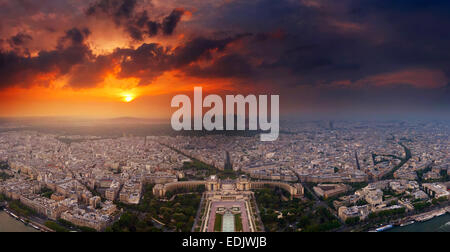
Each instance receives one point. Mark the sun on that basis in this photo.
(128, 98)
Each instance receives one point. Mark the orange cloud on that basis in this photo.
(419, 78)
(346, 27)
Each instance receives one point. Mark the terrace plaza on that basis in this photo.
(226, 207)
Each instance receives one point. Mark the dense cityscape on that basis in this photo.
(318, 176)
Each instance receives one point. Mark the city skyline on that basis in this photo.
(318, 176)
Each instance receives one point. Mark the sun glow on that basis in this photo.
(128, 98)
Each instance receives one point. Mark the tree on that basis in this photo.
(352, 221)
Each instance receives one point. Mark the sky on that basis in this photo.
(128, 58)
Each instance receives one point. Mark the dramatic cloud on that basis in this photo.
(137, 24)
(74, 37)
(419, 78)
(170, 22)
(47, 65)
(367, 51)
(151, 60)
(73, 57)
(232, 65)
(19, 39)
(118, 9)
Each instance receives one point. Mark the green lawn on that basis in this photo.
(56, 227)
(238, 222)
(21, 209)
(218, 223)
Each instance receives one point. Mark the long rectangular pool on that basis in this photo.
(228, 224)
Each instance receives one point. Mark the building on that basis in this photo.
(374, 197)
(330, 190)
(360, 212)
(436, 190)
(83, 218)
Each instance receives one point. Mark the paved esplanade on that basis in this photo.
(228, 204)
(228, 224)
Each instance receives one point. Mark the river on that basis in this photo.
(9, 224)
(437, 224)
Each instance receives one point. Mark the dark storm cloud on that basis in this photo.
(137, 24)
(351, 47)
(229, 66)
(146, 62)
(201, 46)
(400, 6)
(347, 53)
(118, 9)
(72, 57)
(90, 72)
(123, 14)
(327, 41)
(76, 36)
(26, 71)
(151, 60)
(135, 33)
(170, 22)
(19, 39)
(126, 9)
(153, 28)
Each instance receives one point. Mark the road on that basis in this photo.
(317, 200)
(197, 216)
(39, 222)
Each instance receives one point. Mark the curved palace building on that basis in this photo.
(228, 205)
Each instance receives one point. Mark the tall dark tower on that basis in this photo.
(228, 165)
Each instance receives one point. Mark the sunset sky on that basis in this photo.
(115, 58)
